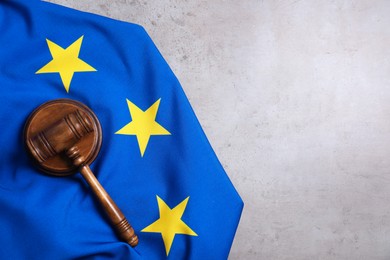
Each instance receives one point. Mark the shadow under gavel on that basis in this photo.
(61, 138)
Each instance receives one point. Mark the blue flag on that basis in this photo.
(155, 160)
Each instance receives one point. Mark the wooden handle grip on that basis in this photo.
(117, 218)
(119, 221)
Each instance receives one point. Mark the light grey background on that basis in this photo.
(294, 96)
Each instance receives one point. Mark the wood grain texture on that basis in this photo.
(54, 127)
(64, 136)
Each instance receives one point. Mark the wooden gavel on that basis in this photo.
(57, 135)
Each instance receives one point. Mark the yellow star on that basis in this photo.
(169, 224)
(143, 124)
(65, 62)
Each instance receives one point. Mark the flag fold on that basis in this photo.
(155, 160)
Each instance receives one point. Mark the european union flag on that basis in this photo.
(155, 160)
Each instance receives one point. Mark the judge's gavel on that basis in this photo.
(64, 136)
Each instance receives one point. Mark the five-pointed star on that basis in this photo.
(65, 62)
(143, 124)
(169, 224)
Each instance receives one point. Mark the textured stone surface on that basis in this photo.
(294, 96)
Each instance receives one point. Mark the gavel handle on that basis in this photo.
(119, 221)
(122, 226)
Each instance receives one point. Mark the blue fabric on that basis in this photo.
(46, 217)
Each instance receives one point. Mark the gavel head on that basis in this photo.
(55, 127)
(60, 136)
